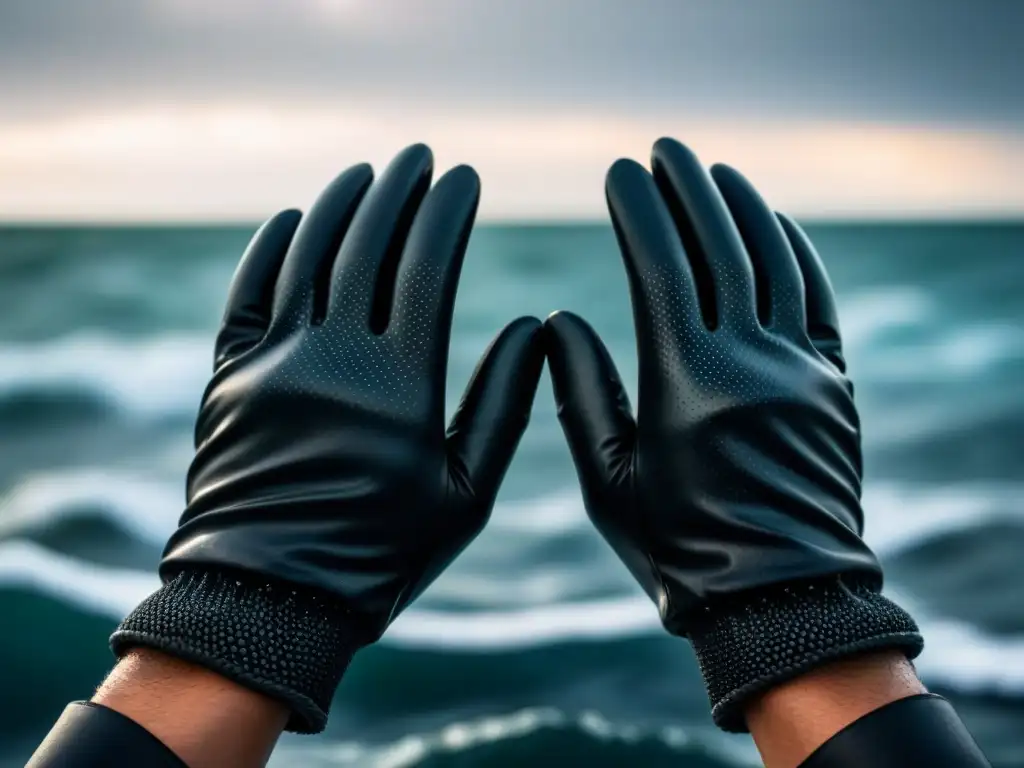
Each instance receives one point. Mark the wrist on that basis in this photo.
(291, 645)
(791, 720)
(760, 640)
(204, 718)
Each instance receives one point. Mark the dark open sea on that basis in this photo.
(536, 647)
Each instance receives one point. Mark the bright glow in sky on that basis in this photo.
(235, 162)
(177, 109)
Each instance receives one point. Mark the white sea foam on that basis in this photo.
(609, 619)
(154, 376)
(939, 351)
(165, 374)
(901, 516)
(461, 737)
(957, 655)
(963, 353)
(148, 506)
(865, 315)
(556, 513)
(898, 515)
(106, 591)
(965, 659)
(145, 507)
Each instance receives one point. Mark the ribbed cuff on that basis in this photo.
(288, 643)
(781, 632)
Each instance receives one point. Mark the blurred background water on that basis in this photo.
(536, 645)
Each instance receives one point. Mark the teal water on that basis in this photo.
(536, 646)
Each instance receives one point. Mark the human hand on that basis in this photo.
(325, 493)
(735, 492)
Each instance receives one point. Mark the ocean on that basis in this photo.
(536, 646)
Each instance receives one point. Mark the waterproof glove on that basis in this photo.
(733, 497)
(325, 493)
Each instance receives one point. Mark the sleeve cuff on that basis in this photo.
(918, 730)
(750, 645)
(287, 643)
(89, 735)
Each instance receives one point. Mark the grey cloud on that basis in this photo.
(929, 60)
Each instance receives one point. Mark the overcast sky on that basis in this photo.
(156, 109)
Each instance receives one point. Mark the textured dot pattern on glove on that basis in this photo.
(753, 644)
(285, 643)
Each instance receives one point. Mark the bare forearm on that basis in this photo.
(206, 719)
(792, 720)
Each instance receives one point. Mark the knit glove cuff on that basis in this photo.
(286, 642)
(749, 645)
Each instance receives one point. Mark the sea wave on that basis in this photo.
(866, 315)
(957, 656)
(588, 738)
(965, 352)
(142, 506)
(936, 351)
(157, 376)
(899, 515)
(148, 506)
(165, 374)
(110, 592)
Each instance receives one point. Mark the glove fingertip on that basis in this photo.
(495, 409)
(591, 400)
(521, 357)
(565, 330)
(578, 357)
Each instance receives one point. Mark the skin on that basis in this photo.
(210, 721)
(792, 720)
(205, 719)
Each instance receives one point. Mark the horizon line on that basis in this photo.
(992, 218)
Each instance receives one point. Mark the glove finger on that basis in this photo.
(710, 239)
(251, 296)
(363, 279)
(300, 295)
(820, 300)
(661, 279)
(592, 404)
(495, 409)
(778, 284)
(428, 273)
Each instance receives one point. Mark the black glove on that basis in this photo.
(734, 497)
(325, 494)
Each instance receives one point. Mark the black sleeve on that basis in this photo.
(919, 730)
(89, 735)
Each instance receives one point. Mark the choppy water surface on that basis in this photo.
(536, 645)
